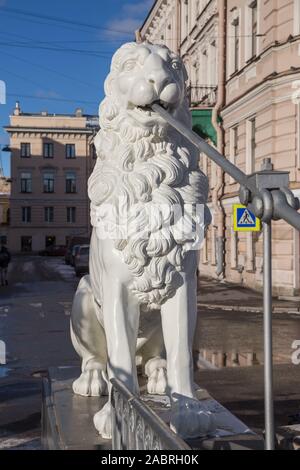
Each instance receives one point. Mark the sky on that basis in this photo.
(55, 54)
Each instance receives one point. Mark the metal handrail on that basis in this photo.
(125, 423)
(282, 210)
(268, 196)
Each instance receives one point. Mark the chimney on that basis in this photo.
(78, 112)
(17, 110)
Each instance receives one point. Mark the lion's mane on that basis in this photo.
(147, 169)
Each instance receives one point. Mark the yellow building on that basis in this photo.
(52, 156)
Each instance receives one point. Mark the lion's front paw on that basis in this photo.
(90, 384)
(156, 371)
(102, 421)
(189, 420)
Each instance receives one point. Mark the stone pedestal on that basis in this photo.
(67, 419)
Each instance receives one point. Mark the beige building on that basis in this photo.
(189, 28)
(243, 60)
(4, 209)
(52, 157)
(261, 119)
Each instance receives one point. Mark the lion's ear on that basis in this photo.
(109, 85)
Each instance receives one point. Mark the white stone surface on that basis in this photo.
(140, 297)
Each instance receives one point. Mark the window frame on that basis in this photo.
(26, 214)
(48, 180)
(71, 215)
(47, 154)
(71, 156)
(49, 210)
(27, 182)
(72, 181)
(26, 154)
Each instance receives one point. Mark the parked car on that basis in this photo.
(74, 253)
(81, 261)
(72, 242)
(54, 250)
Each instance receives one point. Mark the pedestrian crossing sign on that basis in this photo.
(244, 220)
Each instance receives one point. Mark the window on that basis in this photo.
(48, 183)
(71, 215)
(250, 145)
(48, 150)
(296, 17)
(26, 244)
(254, 29)
(236, 57)
(70, 151)
(25, 150)
(26, 183)
(26, 215)
(49, 214)
(234, 147)
(70, 182)
(253, 139)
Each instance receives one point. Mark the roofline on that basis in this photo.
(149, 14)
(53, 130)
(41, 115)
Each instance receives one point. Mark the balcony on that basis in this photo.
(204, 95)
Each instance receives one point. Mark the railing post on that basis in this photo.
(268, 338)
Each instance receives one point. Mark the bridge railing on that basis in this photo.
(136, 426)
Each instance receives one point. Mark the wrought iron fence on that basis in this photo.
(204, 95)
(136, 426)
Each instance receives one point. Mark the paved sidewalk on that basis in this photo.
(214, 294)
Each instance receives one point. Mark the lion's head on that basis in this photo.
(147, 164)
(140, 75)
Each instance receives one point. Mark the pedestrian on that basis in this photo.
(5, 258)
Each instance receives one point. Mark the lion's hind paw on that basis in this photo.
(91, 383)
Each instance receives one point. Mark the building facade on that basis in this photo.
(4, 209)
(52, 157)
(243, 61)
(189, 28)
(261, 119)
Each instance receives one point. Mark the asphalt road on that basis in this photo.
(34, 323)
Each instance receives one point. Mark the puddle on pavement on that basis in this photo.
(235, 339)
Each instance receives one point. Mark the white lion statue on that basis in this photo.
(149, 216)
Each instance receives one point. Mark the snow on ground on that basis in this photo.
(64, 270)
(28, 267)
(24, 441)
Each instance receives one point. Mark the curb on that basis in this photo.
(252, 309)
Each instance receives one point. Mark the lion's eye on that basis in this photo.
(176, 65)
(128, 65)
